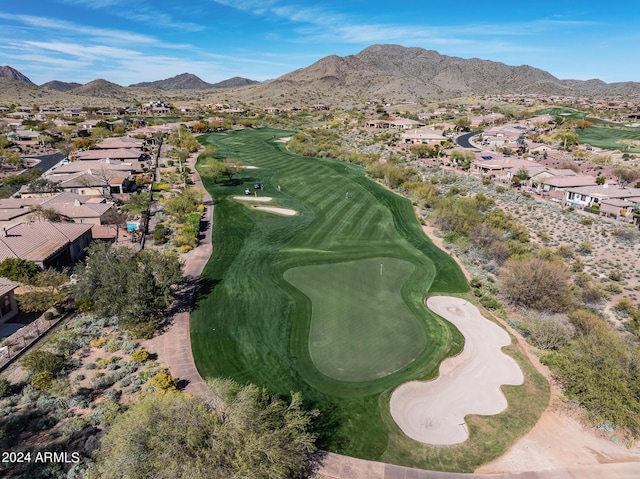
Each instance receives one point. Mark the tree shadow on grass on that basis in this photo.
(188, 297)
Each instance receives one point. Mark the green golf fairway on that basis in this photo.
(361, 329)
(297, 303)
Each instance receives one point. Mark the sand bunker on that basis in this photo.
(433, 412)
(253, 198)
(247, 167)
(280, 211)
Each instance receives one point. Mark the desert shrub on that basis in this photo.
(490, 302)
(543, 235)
(42, 381)
(546, 332)
(104, 381)
(5, 387)
(99, 342)
(40, 361)
(565, 251)
(577, 266)
(103, 362)
(48, 315)
(162, 381)
(140, 356)
(593, 293)
(613, 288)
(585, 247)
(141, 330)
(586, 221)
(500, 189)
(535, 283)
(626, 234)
(624, 306)
(600, 369)
(616, 275)
(129, 346)
(104, 414)
(113, 395)
(113, 345)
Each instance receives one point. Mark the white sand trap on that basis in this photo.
(248, 167)
(253, 198)
(280, 211)
(433, 412)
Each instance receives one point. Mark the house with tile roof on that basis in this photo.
(47, 244)
(74, 207)
(427, 136)
(123, 154)
(120, 142)
(591, 196)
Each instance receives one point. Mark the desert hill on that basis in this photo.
(13, 74)
(60, 85)
(184, 81)
(235, 82)
(412, 74)
(391, 72)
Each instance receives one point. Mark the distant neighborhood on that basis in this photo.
(109, 154)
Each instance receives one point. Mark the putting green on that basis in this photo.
(361, 328)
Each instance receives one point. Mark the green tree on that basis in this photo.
(181, 205)
(17, 269)
(234, 432)
(47, 290)
(233, 166)
(134, 287)
(137, 204)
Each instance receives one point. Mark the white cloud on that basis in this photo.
(140, 11)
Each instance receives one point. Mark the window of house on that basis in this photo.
(5, 305)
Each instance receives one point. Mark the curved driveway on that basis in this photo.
(464, 140)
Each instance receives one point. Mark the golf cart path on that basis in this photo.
(173, 345)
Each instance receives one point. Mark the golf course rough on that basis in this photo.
(302, 303)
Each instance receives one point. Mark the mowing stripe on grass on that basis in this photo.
(250, 324)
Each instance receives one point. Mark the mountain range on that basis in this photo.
(389, 72)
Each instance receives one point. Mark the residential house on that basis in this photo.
(395, 124)
(555, 186)
(46, 244)
(8, 304)
(499, 166)
(423, 135)
(123, 154)
(595, 196)
(76, 208)
(122, 142)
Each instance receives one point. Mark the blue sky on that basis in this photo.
(129, 41)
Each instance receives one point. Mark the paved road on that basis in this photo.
(342, 467)
(48, 161)
(463, 141)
